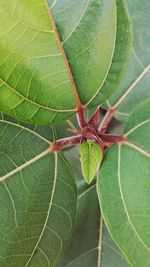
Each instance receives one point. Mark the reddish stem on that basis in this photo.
(112, 139)
(81, 118)
(94, 120)
(65, 59)
(106, 120)
(89, 130)
(65, 142)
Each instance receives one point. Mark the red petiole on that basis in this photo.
(90, 130)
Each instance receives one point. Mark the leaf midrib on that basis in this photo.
(32, 102)
(26, 129)
(49, 209)
(31, 161)
(136, 127)
(26, 164)
(131, 87)
(136, 147)
(76, 95)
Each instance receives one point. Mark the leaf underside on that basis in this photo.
(37, 191)
(36, 84)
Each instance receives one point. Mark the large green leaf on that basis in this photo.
(96, 37)
(111, 256)
(124, 189)
(37, 191)
(139, 62)
(48, 132)
(121, 53)
(36, 82)
(32, 66)
(91, 244)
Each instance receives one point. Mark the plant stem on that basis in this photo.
(65, 59)
(112, 139)
(81, 118)
(65, 142)
(94, 120)
(106, 120)
(111, 111)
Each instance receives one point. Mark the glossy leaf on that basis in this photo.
(139, 62)
(124, 189)
(48, 132)
(37, 85)
(37, 191)
(90, 246)
(91, 157)
(94, 33)
(32, 66)
(121, 53)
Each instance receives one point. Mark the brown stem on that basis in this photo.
(111, 111)
(94, 120)
(81, 118)
(106, 120)
(112, 139)
(77, 98)
(65, 142)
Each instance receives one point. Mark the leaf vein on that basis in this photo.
(124, 204)
(78, 23)
(49, 209)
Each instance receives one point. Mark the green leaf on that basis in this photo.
(139, 62)
(94, 33)
(90, 246)
(124, 189)
(91, 157)
(120, 56)
(111, 256)
(37, 191)
(32, 65)
(48, 132)
(37, 85)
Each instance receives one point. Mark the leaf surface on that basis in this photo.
(35, 83)
(124, 189)
(94, 33)
(38, 83)
(91, 157)
(139, 62)
(88, 239)
(37, 191)
(48, 132)
(120, 56)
